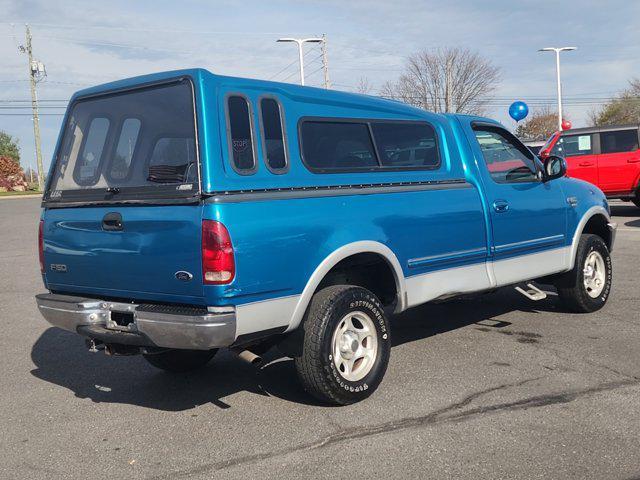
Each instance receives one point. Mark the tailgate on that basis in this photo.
(83, 254)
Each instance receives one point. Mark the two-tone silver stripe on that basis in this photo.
(529, 244)
(448, 257)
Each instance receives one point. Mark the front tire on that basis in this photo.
(179, 361)
(636, 199)
(346, 345)
(586, 287)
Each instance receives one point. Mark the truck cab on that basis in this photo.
(186, 212)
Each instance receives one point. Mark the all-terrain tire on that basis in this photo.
(572, 289)
(325, 316)
(178, 361)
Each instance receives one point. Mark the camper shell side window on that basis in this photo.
(240, 134)
(339, 145)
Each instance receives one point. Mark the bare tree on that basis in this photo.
(539, 126)
(364, 86)
(445, 80)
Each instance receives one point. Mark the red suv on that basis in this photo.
(608, 157)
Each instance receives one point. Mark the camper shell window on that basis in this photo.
(333, 145)
(138, 144)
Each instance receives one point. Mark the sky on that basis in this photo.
(84, 43)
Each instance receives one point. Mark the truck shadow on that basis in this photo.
(625, 210)
(61, 358)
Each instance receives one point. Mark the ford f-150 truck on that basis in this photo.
(186, 212)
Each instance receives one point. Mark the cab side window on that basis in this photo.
(507, 160)
(240, 135)
(620, 141)
(573, 146)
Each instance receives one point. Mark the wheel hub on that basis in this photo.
(594, 274)
(354, 346)
(349, 344)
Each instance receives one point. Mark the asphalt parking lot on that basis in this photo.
(491, 387)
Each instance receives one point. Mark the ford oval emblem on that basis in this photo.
(184, 276)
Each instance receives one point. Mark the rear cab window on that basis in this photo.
(137, 144)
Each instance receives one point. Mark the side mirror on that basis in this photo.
(554, 167)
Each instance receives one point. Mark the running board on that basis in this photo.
(532, 292)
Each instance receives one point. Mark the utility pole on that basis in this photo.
(36, 73)
(559, 85)
(300, 42)
(325, 62)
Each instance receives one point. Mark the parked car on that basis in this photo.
(186, 212)
(608, 157)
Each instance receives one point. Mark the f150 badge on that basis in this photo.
(59, 267)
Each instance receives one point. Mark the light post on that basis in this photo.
(299, 42)
(558, 50)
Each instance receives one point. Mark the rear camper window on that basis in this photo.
(137, 144)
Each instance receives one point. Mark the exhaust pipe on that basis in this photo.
(249, 357)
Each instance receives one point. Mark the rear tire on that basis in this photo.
(586, 287)
(346, 345)
(178, 361)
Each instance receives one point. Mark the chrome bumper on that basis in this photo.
(166, 326)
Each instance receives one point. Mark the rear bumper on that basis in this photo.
(168, 326)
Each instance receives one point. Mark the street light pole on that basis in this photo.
(299, 42)
(557, 50)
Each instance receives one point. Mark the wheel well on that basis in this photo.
(368, 270)
(597, 225)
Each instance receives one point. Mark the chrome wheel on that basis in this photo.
(594, 274)
(354, 346)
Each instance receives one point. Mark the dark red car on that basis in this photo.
(608, 157)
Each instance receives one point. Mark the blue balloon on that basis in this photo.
(518, 110)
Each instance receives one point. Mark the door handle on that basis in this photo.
(500, 206)
(586, 164)
(633, 160)
(112, 222)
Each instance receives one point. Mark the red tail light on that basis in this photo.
(41, 245)
(218, 264)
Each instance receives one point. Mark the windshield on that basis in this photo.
(131, 145)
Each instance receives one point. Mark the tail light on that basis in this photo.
(218, 263)
(41, 245)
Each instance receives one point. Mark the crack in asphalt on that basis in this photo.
(445, 414)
